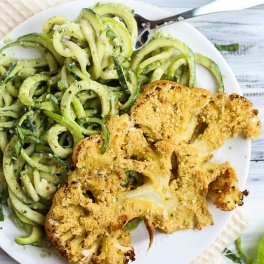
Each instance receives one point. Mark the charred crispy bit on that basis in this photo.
(157, 167)
(224, 191)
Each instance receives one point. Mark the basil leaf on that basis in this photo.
(244, 255)
(232, 256)
(261, 251)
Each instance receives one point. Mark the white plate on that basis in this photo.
(180, 247)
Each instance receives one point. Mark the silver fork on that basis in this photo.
(146, 27)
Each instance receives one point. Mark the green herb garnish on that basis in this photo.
(132, 224)
(3, 198)
(230, 47)
(246, 257)
(232, 256)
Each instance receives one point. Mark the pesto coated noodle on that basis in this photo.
(87, 73)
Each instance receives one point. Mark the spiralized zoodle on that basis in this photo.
(87, 73)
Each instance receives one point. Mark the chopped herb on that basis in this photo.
(3, 198)
(132, 224)
(111, 33)
(132, 178)
(27, 136)
(27, 124)
(2, 218)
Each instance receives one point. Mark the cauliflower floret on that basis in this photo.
(168, 111)
(224, 191)
(157, 170)
(83, 231)
(226, 117)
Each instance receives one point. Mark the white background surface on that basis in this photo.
(246, 28)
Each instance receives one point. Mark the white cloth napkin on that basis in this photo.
(13, 12)
(214, 254)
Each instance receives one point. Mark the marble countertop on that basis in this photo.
(245, 27)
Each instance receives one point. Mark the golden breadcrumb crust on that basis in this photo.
(167, 140)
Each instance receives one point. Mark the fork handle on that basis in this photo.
(212, 7)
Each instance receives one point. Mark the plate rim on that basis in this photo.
(5, 246)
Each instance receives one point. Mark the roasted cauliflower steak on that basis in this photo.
(157, 167)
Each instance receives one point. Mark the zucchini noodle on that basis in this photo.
(86, 72)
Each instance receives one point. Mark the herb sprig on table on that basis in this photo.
(229, 47)
(244, 256)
